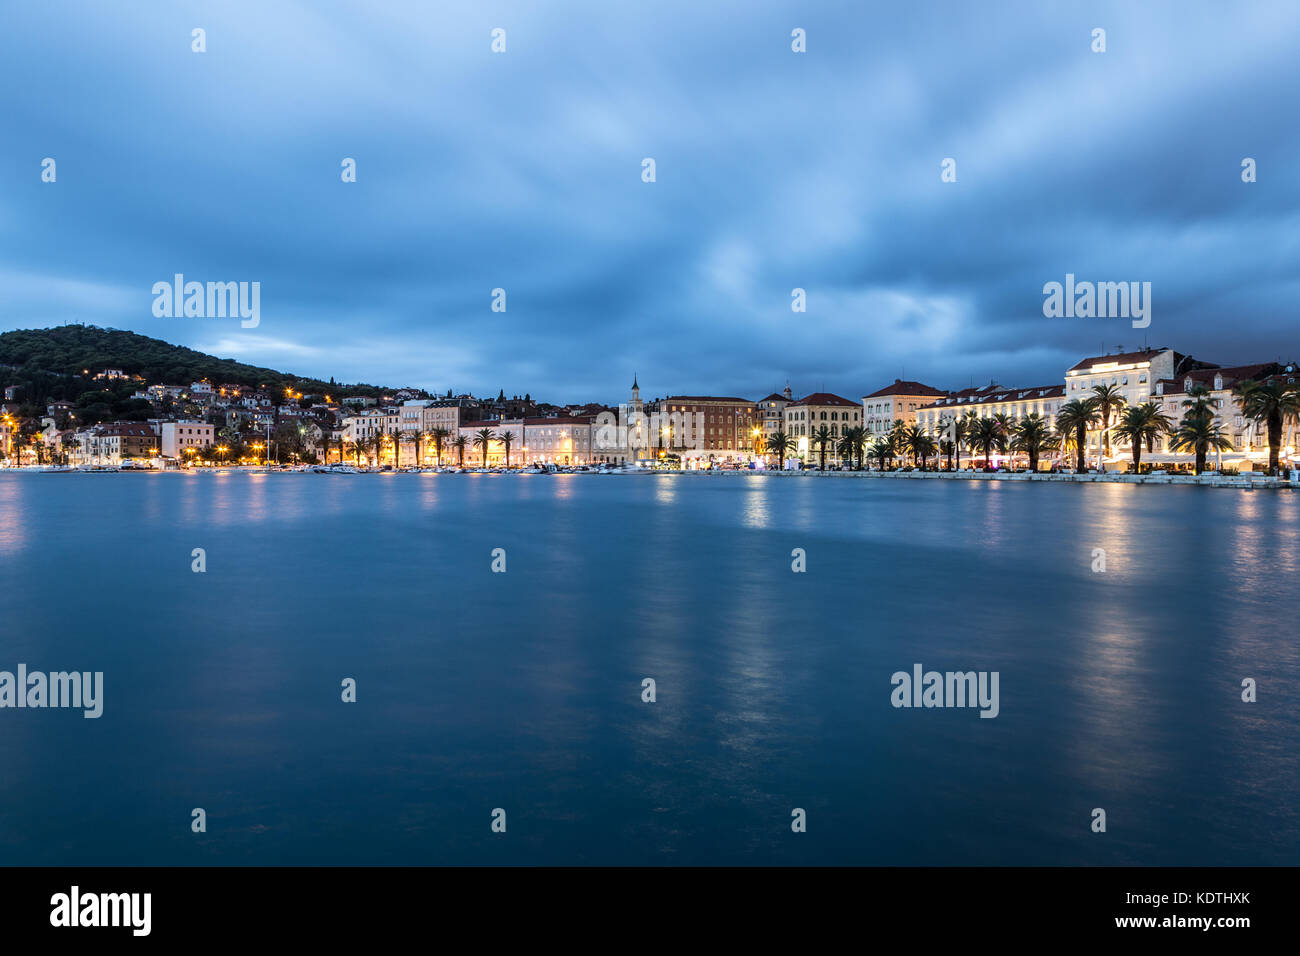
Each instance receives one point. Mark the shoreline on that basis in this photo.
(1209, 479)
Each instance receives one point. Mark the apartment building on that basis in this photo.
(496, 450)
(712, 427)
(770, 413)
(805, 417)
(899, 401)
(178, 438)
(111, 444)
(557, 441)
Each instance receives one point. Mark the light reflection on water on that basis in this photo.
(13, 537)
(1119, 689)
(756, 512)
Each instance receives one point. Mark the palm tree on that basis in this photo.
(822, 438)
(986, 435)
(400, 438)
(781, 444)
(953, 434)
(482, 439)
(895, 436)
(1073, 421)
(945, 449)
(907, 441)
(855, 441)
(1109, 399)
(971, 436)
(1272, 403)
(438, 436)
(845, 448)
(1139, 424)
(1200, 433)
(507, 438)
(921, 445)
(964, 429)
(417, 436)
(459, 443)
(882, 449)
(1032, 434)
(1198, 402)
(1007, 429)
(353, 448)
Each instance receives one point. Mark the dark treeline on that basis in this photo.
(59, 364)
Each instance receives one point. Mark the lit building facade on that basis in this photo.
(557, 441)
(113, 443)
(712, 428)
(805, 417)
(990, 401)
(899, 401)
(176, 438)
(770, 413)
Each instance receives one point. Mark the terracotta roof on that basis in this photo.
(989, 394)
(774, 397)
(1231, 375)
(825, 398)
(901, 387)
(704, 399)
(125, 430)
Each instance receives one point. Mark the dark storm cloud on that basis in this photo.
(775, 171)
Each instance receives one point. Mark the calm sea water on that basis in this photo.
(522, 690)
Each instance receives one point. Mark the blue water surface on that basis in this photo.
(523, 691)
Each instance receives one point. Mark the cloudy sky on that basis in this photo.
(775, 170)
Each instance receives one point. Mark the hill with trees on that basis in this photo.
(60, 364)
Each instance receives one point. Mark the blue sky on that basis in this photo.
(775, 170)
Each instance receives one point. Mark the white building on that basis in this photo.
(557, 441)
(897, 402)
(770, 413)
(805, 418)
(178, 437)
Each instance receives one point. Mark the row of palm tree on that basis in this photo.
(1271, 403)
(851, 446)
(1139, 426)
(441, 439)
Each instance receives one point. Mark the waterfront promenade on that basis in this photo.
(1210, 479)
